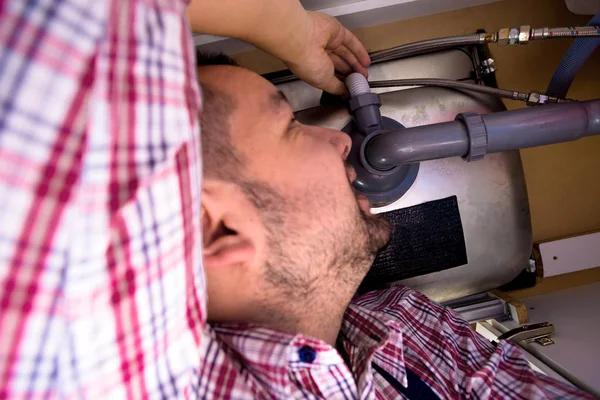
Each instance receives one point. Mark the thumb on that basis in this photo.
(334, 86)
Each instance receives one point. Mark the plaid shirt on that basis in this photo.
(102, 289)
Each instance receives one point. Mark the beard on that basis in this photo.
(378, 231)
(356, 244)
(313, 269)
(303, 258)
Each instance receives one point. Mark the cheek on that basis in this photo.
(249, 221)
(328, 191)
(328, 173)
(311, 174)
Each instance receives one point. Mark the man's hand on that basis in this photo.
(329, 48)
(313, 45)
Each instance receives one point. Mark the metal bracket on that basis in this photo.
(529, 333)
(544, 341)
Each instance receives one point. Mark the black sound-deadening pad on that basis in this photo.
(426, 238)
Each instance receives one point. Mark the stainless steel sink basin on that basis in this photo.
(491, 193)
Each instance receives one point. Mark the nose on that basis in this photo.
(337, 139)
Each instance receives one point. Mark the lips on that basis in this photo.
(363, 203)
(351, 173)
(361, 199)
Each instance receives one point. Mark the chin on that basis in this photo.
(378, 231)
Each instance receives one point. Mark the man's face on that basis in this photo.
(311, 230)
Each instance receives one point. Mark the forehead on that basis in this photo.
(259, 107)
(245, 86)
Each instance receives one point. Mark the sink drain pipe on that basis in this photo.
(470, 135)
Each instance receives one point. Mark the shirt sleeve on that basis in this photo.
(102, 287)
(468, 364)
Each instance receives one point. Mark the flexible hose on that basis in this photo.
(447, 83)
(424, 46)
(580, 31)
(572, 61)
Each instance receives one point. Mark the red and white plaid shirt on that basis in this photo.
(102, 290)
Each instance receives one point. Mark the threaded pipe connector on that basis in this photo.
(357, 84)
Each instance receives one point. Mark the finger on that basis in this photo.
(344, 53)
(340, 65)
(334, 86)
(357, 48)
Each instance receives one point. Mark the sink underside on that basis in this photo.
(491, 193)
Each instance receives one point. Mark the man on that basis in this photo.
(286, 242)
(286, 245)
(103, 291)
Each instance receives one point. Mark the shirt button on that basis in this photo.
(307, 354)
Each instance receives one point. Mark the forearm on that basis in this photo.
(314, 46)
(272, 25)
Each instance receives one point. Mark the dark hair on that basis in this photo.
(203, 59)
(219, 157)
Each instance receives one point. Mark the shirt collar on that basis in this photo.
(271, 355)
(372, 336)
(367, 335)
(262, 354)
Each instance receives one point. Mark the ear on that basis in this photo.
(227, 238)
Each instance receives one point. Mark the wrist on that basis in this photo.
(279, 27)
(289, 39)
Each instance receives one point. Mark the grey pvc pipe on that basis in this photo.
(508, 130)
(403, 146)
(552, 123)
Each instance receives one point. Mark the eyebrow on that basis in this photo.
(278, 99)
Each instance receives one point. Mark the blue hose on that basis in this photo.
(572, 61)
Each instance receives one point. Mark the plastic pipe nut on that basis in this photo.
(478, 137)
(363, 100)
